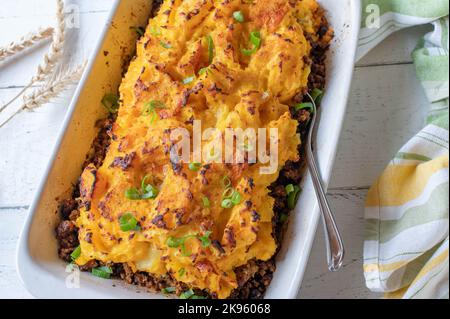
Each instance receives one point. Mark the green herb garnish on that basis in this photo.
(156, 31)
(168, 290)
(165, 45)
(210, 43)
(303, 106)
(236, 198)
(187, 294)
(151, 107)
(128, 222)
(174, 242)
(102, 272)
(227, 203)
(206, 242)
(139, 30)
(203, 71)
(147, 191)
(111, 103)
(255, 40)
(226, 182)
(195, 166)
(292, 195)
(206, 202)
(181, 272)
(189, 80)
(76, 253)
(317, 95)
(238, 16)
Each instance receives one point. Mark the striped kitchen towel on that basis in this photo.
(407, 210)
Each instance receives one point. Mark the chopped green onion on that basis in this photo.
(181, 272)
(111, 102)
(198, 297)
(147, 191)
(174, 242)
(206, 201)
(206, 242)
(317, 95)
(226, 182)
(238, 16)
(168, 290)
(128, 222)
(139, 30)
(132, 194)
(228, 193)
(76, 253)
(165, 45)
(293, 197)
(210, 42)
(189, 80)
(155, 31)
(283, 218)
(255, 39)
(195, 166)
(289, 188)
(236, 198)
(302, 106)
(227, 203)
(150, 109)
(187, 294)
(203, 71)
(102, 272)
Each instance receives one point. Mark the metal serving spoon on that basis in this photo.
(334, 244)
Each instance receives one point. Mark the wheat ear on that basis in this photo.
(53, 87)
(53, 55)
(25, 42)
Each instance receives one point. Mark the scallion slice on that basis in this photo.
(206, 242)
(255, 40)
(111, 102)
(102, 272)
(139, 30)
(238, 16)
(189, 80)
(195, 166)
(128, 222)
(303, 106)
(206, 202)
(76, 253)
(210, 43)
(227, 203)
(187, 294)
(165, 45)
(226, 182)
(168, 290)
(293, 197)
(317, 95)
(236, 198)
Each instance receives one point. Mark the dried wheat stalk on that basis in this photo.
(25, 42)
(51, 58)
(53, 87)
(56, 49)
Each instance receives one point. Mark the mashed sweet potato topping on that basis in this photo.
(198, 60)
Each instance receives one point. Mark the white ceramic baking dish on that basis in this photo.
(45, 275)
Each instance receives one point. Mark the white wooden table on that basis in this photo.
(387, 106)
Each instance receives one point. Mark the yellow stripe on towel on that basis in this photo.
(400, 184)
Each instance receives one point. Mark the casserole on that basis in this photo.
(35, 256)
